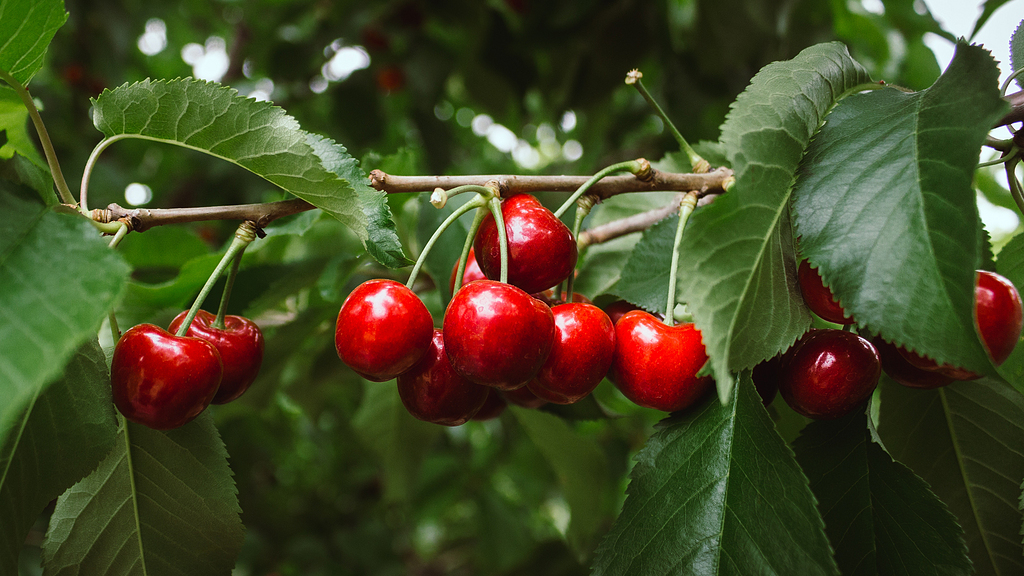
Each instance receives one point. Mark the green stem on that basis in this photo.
(474, 203)
(582, 210)
(685, 209)
(478, 219)
(44, 138)
(439, 197)
(229, 284)
(83, 194)
(633, 166)
(245, 234)
(699, 164)
(499, 220)
(1015, 188)
(1002, 159)
(122, 231)
(1006, 83)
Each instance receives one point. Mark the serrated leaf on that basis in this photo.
(1017, 50)
(715, 491)
(737, 271)
(582, 470)
(21, 171)
(880, 517)
(967, 441)
(56, 441)
(257, 136)
(14, 124)
(26, 29)
(58, 280)
(160, 503)
(399, 440)
(644, 277)
(886, 210)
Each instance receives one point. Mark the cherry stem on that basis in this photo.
(478, 219)
(582, 210)
(229, 284)
(634, 166)
(63, 192)
(477, 202)
(1015, 188)
(699, 164)
(245, 234)
(686, 207)
(499, 220)
(1006, 157)
(439, 197)
(122, 231)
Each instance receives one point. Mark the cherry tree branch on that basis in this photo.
(712, 182)
(141, 219)
(1016, 114)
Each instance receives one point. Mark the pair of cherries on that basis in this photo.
(164, 381)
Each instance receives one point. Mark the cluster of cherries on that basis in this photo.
(519, 341)
(828, 373)
(164, 381)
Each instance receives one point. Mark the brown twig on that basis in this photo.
(712, 182)
(140, 219)
(621, 227)
(1016, 114)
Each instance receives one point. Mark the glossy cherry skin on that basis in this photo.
(472, 272)
(902, 371)
(541, 249)
(432, 391)
(581, 354)
(493, 406)
(829, 373)
(497, 335)
(523, 397)
(383, 329)
(656, 365)
(999, 318)
(240, 344)
(161, 380)
(818, 297)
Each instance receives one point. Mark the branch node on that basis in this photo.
(438, 198)
(378, 179)
(702, 167)
(646, 172)
(633, 76)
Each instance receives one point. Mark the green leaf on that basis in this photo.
(257, 136)
(26, 29)
(1017, 50)
(967, 441)
(886, 210)
(737, 270)
(582, 470)
(644, 280)
(14, 123)
(160, 503)
(716, 491)
(988, 9)
(22, 171)
(58, 280)
(55, 442)
(880, 517)
(399, 440)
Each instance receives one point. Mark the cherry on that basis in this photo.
(472, 271)
(240, 344)
(618, 309)
(497, 335)
(656, 365)
(766, 377)
(161, 380)
(523, 397)
(902, 371)
(998, 317)
(829, 373)
(818, 297)
(548, 297)
(432, 391)
(581, 354)
(383, 329)
(493, 406)
(541, 249)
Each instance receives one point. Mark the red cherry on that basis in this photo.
(618, 309)
(161, 380)
(497, 335)
(493, 406)
(656, 365)
(523, 397)
(902, 371)
(541, 249)
(432, 391)
(472, 271)
(383, 329)
(829, 373)
(240, 344)
(998, 317)
(548, 297)
(766, 377)
(818, 297)
(581, 354)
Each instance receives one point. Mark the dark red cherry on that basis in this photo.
(472, 271)
(240, 344)
(523, 397)
(829, 373)
(493, 406)
(432, 391)
(581, 354)
(818, 297)
(902, 371)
